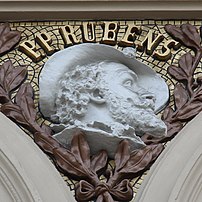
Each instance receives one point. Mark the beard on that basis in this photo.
(138, 115)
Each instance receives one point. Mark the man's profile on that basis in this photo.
(101, 91)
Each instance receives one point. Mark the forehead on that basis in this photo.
(116, 69)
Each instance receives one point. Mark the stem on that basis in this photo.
(197, 59)
(194, 66)
(189, 84)
(115, 179)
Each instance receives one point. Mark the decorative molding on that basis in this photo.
(14, 179)
(176, 175)
(188, 185)
(102, 9)
(25, 168)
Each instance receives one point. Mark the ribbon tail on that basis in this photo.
(84, 191)
(123, 191)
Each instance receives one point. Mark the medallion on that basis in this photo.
(101, 99)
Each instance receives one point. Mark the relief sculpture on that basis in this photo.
(89, 103)
(109, 95)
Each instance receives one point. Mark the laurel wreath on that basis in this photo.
(76, 161)
(188, 90)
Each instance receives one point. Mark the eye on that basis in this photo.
(128, 83)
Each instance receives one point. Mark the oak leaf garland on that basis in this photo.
(117, 184)
(189, 111)
(10, 79)
(24, 99)
(14, 112)
(138, 160)
(76, 162)
(99, 162)
(188, 90)
(43, 140)
(81, 150)
(68, 163)
(8, 38)
(122, 155)
(192, 34)
(180, 96)
(184, 71)
(187, 34)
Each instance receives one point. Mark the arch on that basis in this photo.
(177, 175)
(26, 174)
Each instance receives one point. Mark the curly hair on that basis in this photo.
(74, 89)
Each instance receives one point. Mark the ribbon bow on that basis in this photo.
(121, 192)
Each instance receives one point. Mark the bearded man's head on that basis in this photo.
(109, 87)
(106, 93)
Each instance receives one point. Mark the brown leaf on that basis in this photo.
(67, 161)
(140, 159)
(157, 149)
(80, 149)
(8, 38)
(24, 99)
(4, 97)
(16, 77)
(175, 32)
(46, 142)
(198, 92)
(14, 112)
(173, 129)
(5, 71)
(10, 77)
(189, 111)
(167, 114)
(122, 155)
(193, 35)
(4, 28)
(198, 96)
(99, 161)
(46, 129)
(186, 34)
(185, 63)
(180, 96)
(177, 73)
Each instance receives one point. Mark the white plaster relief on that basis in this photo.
(108, 95)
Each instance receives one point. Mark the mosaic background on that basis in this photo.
(30, 29)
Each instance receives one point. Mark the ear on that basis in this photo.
(97, 97)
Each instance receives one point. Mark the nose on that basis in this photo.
(148, 96)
